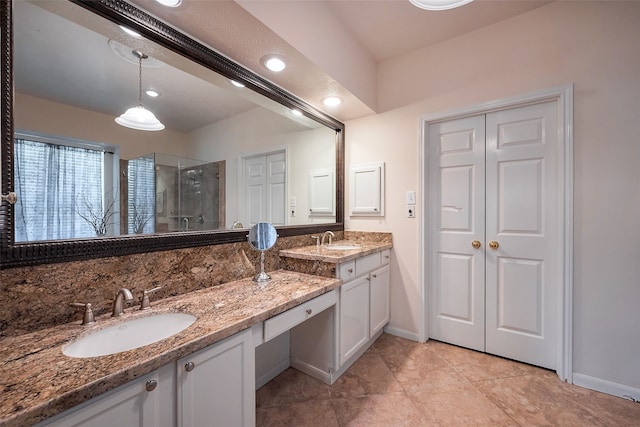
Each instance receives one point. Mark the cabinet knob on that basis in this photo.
(189, 366)
(350, 270)
(309, 311)
(151, 385)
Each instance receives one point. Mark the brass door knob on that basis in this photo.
(476, 244)
(494, 245)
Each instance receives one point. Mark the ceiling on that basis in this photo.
(321, 38)
(387, 29)
(331, 47)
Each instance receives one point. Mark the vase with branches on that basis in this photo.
(99, 217)
(140, 217)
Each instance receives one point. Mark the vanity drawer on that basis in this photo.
(290, 318)
(347, 271)
(385, 256)
(368, 263)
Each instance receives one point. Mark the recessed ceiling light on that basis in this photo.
(296, 112)
(236, 84)
(439, 4)
(152, 93)
(130, 32)
(170, 3)
(332, 101)
(274, 63)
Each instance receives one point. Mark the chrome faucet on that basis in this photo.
(123, 294)
(325, 234)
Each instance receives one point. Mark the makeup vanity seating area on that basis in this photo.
(318, 314)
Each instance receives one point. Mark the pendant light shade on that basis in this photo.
(138, 117)
(439, 4)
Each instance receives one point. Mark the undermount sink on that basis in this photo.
(342, 247)
(129, 334)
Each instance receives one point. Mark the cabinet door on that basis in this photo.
(216, 384)
(145, 402)
(354, 317)
(379, 299)
(366, 189)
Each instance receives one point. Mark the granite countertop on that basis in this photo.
(326, 254)
(38, 381)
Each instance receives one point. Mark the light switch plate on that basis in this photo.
(411, 197)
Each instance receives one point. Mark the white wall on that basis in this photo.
(51, 118)
(593, 45)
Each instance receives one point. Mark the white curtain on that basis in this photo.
(56, 186)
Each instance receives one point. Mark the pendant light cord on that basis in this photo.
(140, 79)
(140, 56)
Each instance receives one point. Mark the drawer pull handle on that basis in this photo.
(151, 385)
(189, 366)
(309, 311)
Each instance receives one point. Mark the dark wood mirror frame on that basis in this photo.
(22, 254)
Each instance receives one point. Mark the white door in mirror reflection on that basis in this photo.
(265, 188)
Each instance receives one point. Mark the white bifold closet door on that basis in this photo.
(493, 237)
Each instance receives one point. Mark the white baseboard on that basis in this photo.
(402, 333)
(272, 373)
(604, 386)
(312, 371)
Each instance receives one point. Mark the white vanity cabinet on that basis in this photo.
(354, 317)
(364, 304)
(215, 386)
(211, 387)
(379, 300)
(144, 402)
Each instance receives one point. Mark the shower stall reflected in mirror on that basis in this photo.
(167, 193)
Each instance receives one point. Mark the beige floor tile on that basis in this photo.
(399, 382)
(310, 414)
(476, 366)
(290, 387)
(541, 400)
(612, 410)
(392, 343)
(368, 375)
(417, 368)
(381, 410)
(458, 405)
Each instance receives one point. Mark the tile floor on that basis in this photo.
(403, 383)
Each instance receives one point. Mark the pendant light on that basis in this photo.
(439, 4)
(139, 117)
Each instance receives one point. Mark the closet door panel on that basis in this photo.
(521, 201)
(456, 220)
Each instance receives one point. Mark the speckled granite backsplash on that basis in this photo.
(38, 297)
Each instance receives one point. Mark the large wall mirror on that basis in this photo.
(234, 150)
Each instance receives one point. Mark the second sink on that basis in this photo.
(345, 247)
(129, 334)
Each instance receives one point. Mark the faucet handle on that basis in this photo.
(88, 318)
(145, 303)
(317, 240)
